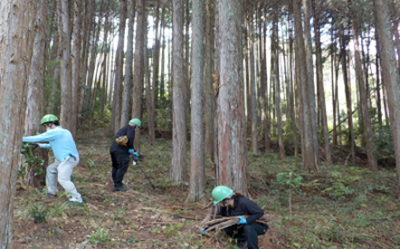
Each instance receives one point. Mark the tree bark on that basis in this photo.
(306, 125)
(197, 162)
(16, 42)
(76, 62)
(119, 62)
(141, 25)
(178, 161)
(35, 99)
(310, 77)
(232, 154)
(65, 68)
(392, 79)
(373, 165)
(127, 97)
(252, 88)
(208, 80)
(149, 100)
(348, 95)
(320, 83)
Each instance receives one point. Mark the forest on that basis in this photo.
(294, 104)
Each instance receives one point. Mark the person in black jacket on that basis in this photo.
(235, 204)
(120, 153)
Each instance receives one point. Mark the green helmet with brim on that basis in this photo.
(220, 193)
(48, 118)
(136, 122)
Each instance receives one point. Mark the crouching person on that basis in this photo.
(66, 154)
(235, 204)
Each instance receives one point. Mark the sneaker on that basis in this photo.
(76, 203)
(242, 244)
(123, 189)
(51, 195)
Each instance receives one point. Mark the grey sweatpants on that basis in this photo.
(62, 172)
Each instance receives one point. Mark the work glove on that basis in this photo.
(131, 151)
(241, 221)
(202, 230)
(135, 154)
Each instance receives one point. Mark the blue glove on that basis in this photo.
(131, 151)
(135, 154)
(241, 221)
(202, 230)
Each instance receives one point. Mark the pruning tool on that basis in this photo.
(135, 162)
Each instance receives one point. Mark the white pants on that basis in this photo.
(62, 172)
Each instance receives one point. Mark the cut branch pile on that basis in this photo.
(217, 225)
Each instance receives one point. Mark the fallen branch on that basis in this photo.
(221, 223)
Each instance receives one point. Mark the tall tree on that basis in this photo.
(373, 165)
(16, 41)
(119, 61)
(197, 164)
(303, 96)
(310, 76)
(138, 76)
(178, 161)
(126, 99)
(231, 169)
(35, 99)
(65, 68)
(389, 68)
(208, 79)
(149, 93)
(320, 80)
(344, 56)
(76, 62)
(252, 84)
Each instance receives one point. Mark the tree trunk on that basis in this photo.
(156, 59)
(127, 96)
(141, 25)
(252, 88)
(16, 41)
(178, 161)
(107, 26)
(232, 154)
(76, 61)
(306, 125)
(390, 72)
(291, 81)
(197, 162)
(34, 103)
(373, 165)
(310, 77)
(208, 80)
(320, 83)
(278, 89)
(65, 68)
(149, 100)
(93, 55)
(348, 95)
(119, 62)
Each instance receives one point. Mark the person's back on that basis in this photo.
(128, 131)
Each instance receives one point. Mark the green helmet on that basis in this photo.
(48, 118)
(219, 193)
(135, 121)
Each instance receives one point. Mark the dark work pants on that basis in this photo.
(248, 233)
(120, 163)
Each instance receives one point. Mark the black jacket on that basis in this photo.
(243, 206)
(129, 131)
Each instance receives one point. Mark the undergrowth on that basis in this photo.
(337, 207)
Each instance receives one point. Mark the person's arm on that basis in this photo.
(252, 209)
(45, 146)
(44, 137)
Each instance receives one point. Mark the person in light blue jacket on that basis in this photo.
(66, 154)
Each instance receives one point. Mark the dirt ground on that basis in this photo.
(142, 217)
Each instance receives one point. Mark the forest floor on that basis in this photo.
(340, 206)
